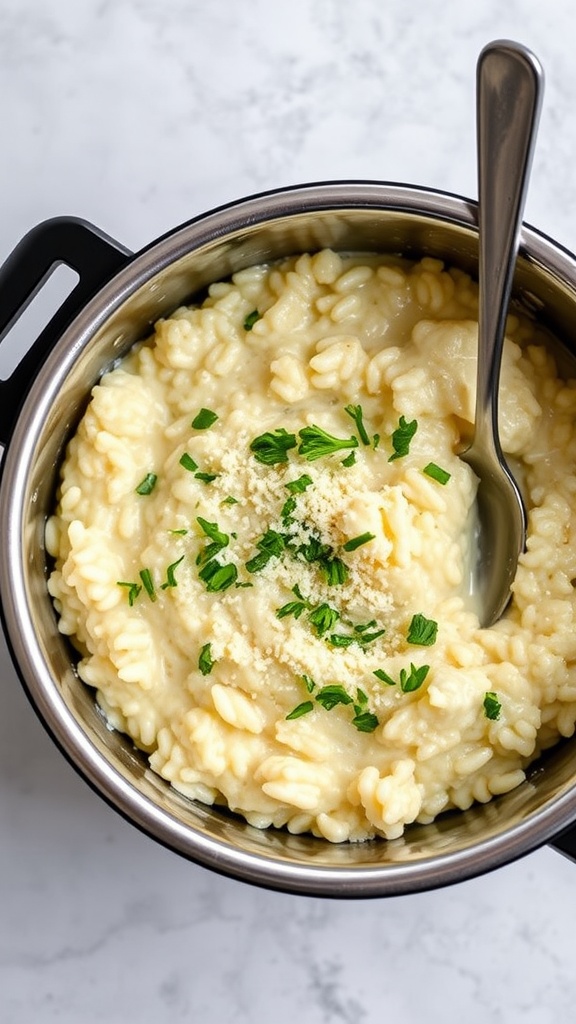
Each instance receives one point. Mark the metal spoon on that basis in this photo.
(509, 94)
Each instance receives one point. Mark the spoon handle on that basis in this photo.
(509, 96)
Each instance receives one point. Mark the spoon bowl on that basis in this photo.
(509, 96)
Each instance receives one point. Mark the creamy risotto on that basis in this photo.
(262, 539)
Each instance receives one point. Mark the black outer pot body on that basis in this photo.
(117, 298)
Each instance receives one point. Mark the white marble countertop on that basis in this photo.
(137, 115)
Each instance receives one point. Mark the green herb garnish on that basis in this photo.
(272, 447)
(218, 540)
(301, 709)
(437, 473)
(357, 542)
(230, 500)
(294, 608)
(492, 706)
(412, 680)
(205, 660)
(422, 631)
(349, 460)
(188, 463)
(218, 576)
(402, 437)
(148, 583)
(252, 319)
(309, 683)
(270, 545)
(206, 478)
(363, 626)
(178, 533)
(170, 577)
(314, 550)
(299, 485)
(323, 619)
(315, 443)
(355, 411)
(330, 696)
(133, 590)
(288, 508)
(368, 638)
(342, 639)
(384, 677)
(335, 570)
(147, 485)
(204, 419)
(365, 721)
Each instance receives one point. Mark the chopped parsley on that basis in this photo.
(230, 500)
(349, 460)
(315, 443)
(218, 576)
(402, 437)
(309, 683)
(314, 550)
(422, 631)
(384, 677)
(412, 680)
(270, 545)
(301, 709)
(218, 540)
(357, 542)
(170, 577)
(206, 478)
(343, 639)
(335, 570)
(288, 508)
(363, 626)
(367, 638)
(252, 319)
(323, 619)
(331, 695)
(437, 473)
(188, 463)
(133, 590)
(492, 706)
(204, 419)
(148, 583)
(365, 721)
(272, 447)
(147, 485)
(355, 411)
(205, 660)
(299, 486)
(294, 608)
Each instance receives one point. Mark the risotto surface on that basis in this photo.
(261, 547)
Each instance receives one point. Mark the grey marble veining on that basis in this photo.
(137, 115)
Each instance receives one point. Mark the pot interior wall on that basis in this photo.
(68, 707)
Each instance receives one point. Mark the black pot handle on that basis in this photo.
(93, 255)
(566, 843)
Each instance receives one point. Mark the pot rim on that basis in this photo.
(220, 855)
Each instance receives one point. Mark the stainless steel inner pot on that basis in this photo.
(131, 292)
